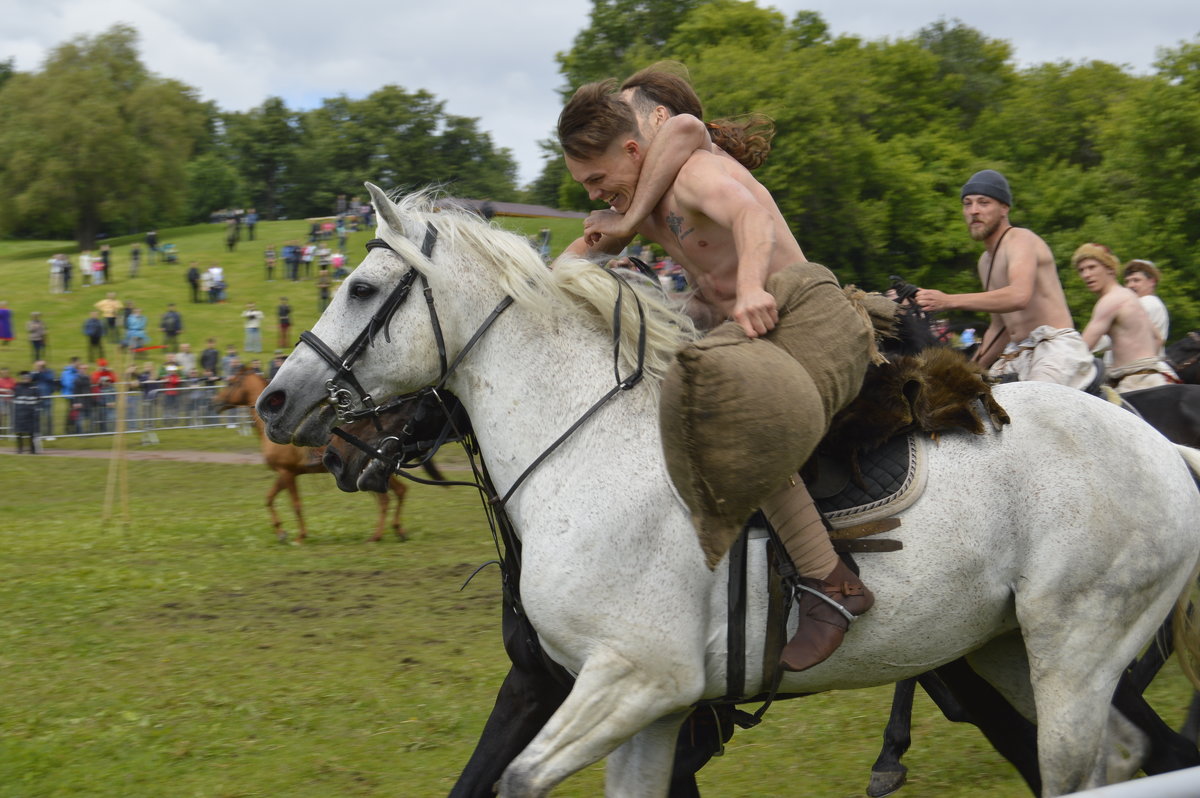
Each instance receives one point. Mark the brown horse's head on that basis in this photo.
(242, 389)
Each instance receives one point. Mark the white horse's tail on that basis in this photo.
(1186, 624)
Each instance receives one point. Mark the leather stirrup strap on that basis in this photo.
(735, 629)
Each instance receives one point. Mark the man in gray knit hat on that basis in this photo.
(1032, 335)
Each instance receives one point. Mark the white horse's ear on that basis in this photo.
(385, 208)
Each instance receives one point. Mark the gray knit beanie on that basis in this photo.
(990, 183)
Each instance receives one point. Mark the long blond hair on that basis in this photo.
(747, 138)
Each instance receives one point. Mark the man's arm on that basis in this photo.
(676, 140)
(605, 245)
(1016, 295)
(1101, 323)
(703, 187)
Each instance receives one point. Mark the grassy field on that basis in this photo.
(24, 284)
(185, 653)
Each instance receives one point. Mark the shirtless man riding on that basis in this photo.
(1120, 315)
(725, 230)
(1032, 335)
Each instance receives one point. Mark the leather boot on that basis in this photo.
(821, 626)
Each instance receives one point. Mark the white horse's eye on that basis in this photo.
(362, 291)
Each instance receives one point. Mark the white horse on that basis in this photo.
(1050, 569)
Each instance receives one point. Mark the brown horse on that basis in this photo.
(288, 462)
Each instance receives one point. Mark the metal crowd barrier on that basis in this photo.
(132, 412)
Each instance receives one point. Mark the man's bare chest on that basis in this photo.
(690, 237)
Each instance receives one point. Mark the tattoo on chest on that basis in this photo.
(675, 222)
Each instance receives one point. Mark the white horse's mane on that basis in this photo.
(575, 286)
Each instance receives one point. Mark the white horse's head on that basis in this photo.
(374, 341)
(379, 339)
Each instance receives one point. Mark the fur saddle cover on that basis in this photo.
(935, 391)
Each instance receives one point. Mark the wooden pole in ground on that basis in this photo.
(117, 467)
(118, 464)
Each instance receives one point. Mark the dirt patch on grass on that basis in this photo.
(335, 594)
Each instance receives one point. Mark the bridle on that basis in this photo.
(344, 402)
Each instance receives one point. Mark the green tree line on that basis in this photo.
(94, 144)
(875, 138)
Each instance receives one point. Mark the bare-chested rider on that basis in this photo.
(1032, 335)
(724, 229)
(1120, 315)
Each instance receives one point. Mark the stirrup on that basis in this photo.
(849, 616)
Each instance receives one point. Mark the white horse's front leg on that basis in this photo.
(612, 700)
(642, 766)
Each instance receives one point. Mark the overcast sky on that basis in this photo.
(495, 61)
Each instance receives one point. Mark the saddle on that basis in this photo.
(871, 463)
(868, 467)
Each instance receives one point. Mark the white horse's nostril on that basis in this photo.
(274, 401)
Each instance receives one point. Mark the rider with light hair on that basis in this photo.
(665, 179)
(1119, 315)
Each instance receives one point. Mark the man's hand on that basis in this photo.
(604, 223)
(933, 301)
(757, 312)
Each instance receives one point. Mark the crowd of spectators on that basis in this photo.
(168, 384)
(89, 396)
